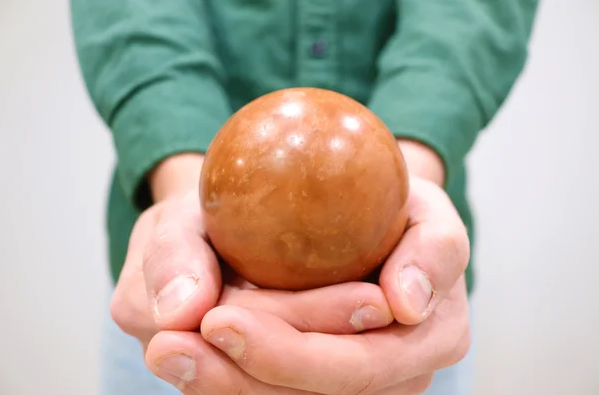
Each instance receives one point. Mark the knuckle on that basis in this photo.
(163, 235)
(129, 312)
(253, 361)
(120, 314)
(214, 380)
(162, 243)
(462, 346)
(459, 348)
(358, 385)
(419, 385)
(453, 243)
(233, 389)
(365, 386)
(303, 321)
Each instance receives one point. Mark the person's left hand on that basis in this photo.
(264, 355)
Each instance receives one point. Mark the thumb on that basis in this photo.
(431, 256)
(182, 274)
(337, 309)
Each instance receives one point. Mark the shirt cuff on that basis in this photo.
(162, 119)
(431, 108)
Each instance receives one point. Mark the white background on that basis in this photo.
(534, 184)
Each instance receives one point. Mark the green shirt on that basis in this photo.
(165, 75)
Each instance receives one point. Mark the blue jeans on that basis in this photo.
(124, 371)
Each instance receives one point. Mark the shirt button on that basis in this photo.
(318, 49)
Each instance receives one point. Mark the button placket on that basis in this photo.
(318, 49)
(317, 63)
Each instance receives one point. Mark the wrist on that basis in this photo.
(178, 174)
(422, 161)
(175, 176)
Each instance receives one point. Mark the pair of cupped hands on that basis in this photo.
(211, 333)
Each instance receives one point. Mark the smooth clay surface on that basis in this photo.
(303, 188)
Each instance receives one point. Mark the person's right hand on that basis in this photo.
(171, 278)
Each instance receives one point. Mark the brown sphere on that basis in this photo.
(303, 188)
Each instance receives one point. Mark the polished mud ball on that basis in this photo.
(303, 188)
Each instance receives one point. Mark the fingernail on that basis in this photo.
(176, 369)
(369, 317)
(175, 293)
(417, 288)
(227, 340)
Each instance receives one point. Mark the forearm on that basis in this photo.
(422, 161)
(175, 176)
(180, 173)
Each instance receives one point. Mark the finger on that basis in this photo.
(129, 306)
(273, 352)
(338, 309)
(186, 361)
(182, 274)
(415, 386)
(431, 256)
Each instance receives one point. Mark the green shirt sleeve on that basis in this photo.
(152, 73)
(448, 69)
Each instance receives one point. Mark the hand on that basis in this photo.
(171, 278)
(263, 354)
